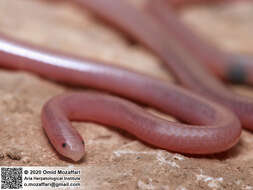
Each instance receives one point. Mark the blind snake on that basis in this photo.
(186, 67)
(211, 129)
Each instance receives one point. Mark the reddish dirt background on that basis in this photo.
(114, 159)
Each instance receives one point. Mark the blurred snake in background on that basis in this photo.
(213, 112)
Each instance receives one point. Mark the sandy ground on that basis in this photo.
(114, 159)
